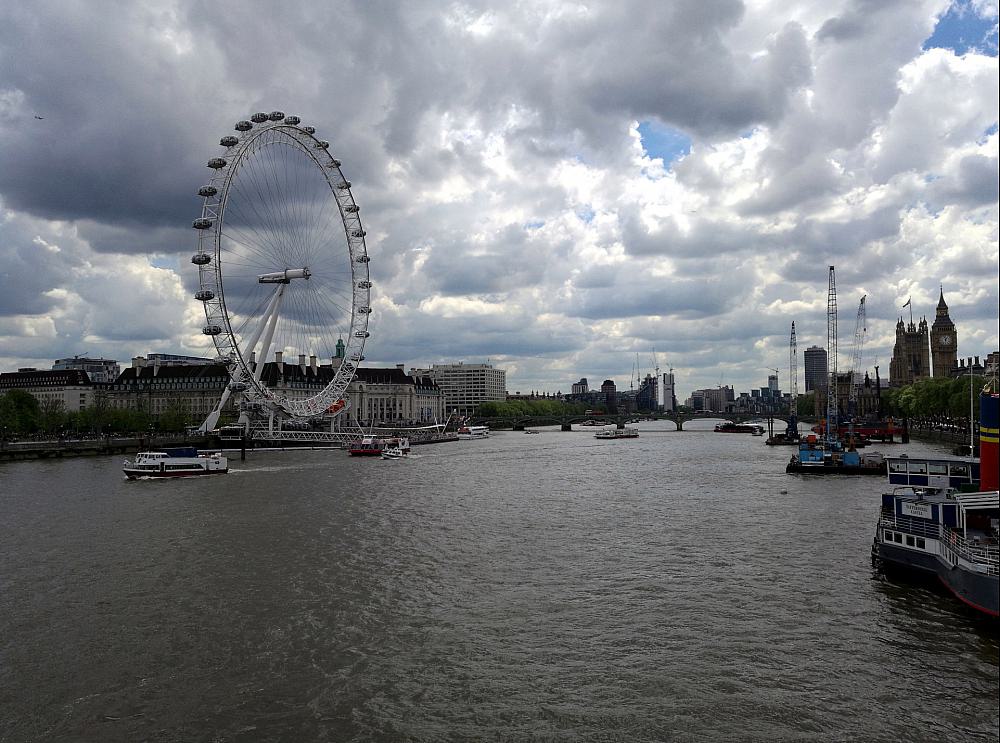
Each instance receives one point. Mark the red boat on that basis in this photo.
(369, 446)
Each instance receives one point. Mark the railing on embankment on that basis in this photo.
(15, 450)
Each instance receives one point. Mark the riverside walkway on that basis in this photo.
(94, 446)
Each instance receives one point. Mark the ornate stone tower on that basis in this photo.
(944, 340)
(911, 354)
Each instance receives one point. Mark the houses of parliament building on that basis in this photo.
(921, 351)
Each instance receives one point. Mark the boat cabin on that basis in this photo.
(960, 474)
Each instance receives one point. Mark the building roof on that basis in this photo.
(151, 372)
(48, 378)
(941, 303)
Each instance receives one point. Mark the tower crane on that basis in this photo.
(859, 343)
(831, 354)
(792, 432)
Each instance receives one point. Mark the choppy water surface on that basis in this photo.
(552, 587)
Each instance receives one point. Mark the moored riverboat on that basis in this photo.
(474, 432)
(928, 527)
(730, 427)
(181, 462)
(830, 458)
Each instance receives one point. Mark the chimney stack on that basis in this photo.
(253, 359)
(312, 363)
(277, 361)
(302, 363)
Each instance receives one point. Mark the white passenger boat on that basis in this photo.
(183, 462)
(396, 449)
(629, 432)
(474, 432)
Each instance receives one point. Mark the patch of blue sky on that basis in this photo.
(988, 133)
(586, 213)
(962, 30)
(664, 142)
(534, 224)
(165, 262)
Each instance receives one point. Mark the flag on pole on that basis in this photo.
(907, 302)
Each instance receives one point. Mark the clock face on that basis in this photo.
(945, 340)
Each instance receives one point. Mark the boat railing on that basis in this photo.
(910, 525)
(984, 558)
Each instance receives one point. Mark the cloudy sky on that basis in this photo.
(555, 187)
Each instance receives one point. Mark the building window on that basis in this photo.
(909, 539)
(920, 542)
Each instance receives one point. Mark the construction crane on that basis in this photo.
(659, 382)
(859, 343)
(792, 432)
(831, 354)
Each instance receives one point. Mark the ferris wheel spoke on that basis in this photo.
(255, 202)
(264, 208)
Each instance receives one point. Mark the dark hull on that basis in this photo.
(833, 469)
(140, 474)
(977, 590)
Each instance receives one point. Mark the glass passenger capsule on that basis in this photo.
(201, 259)
(258, 118)
(201, 223)
(228, 141)
(212, 329)
(293, 120)
(276, 115)
(243, 126)
(217, 162)
(207, 191)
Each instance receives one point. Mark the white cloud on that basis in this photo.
(511, 211)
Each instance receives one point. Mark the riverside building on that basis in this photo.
(816, 369)
(68, 390)
(99, 371)
(465, 386)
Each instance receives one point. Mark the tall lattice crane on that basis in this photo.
(831, 355)
(792, 432)
(859, 343)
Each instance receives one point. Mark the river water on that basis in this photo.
(522, 588)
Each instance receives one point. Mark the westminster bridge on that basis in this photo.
(565, 422)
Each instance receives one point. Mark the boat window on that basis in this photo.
(895, 466)
(918, 468)
(937, 469)
(898, 538)
(920, 543)
(909, 541)
(960, 470)
(888, 536)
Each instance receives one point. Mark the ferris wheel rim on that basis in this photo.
(213, 280)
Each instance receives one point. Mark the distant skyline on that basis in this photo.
(552, 187)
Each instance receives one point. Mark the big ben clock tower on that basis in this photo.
(944, 343)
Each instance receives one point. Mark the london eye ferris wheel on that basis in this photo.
(282, 265)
